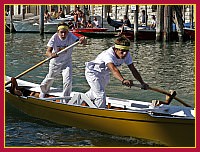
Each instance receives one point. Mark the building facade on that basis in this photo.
(116, 12)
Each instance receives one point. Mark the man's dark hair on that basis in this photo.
(122, 40)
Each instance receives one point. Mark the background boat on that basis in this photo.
(29, 27)
(146, 33)
(88, 30)
(32, 26)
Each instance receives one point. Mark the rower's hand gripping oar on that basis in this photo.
(164, 92)
(37, 65)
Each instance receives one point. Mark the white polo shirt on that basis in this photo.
(58, 44)
(107, 56)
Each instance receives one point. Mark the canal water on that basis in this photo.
(168, 66)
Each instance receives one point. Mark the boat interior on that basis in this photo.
(80, 99)
(31, 90)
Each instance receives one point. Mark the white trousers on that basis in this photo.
(97, 82)
(54, 71)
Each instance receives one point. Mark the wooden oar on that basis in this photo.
(164, 92)
(37, 65)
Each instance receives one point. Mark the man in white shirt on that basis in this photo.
(63, 62)
(95, 22)
(97, 72)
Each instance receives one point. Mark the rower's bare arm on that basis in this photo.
(116, 73)
(137, 76)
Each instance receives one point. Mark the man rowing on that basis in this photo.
(97, 72)
(63, 62)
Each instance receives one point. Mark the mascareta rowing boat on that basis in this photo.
(173, 126)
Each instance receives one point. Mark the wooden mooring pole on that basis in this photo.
(23, 12)
(192, 16)
(11, 19)
(160, 23)
(41, 25)
(136, 23)
(167, 23)
(146, 16)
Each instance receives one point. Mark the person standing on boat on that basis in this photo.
(126, 21)
(61, 13)
(144, 17)
(54, 14)
(89, 24)
(79, 17)
(97, 72)
(47, 16)
(153, 22)
(96, 22)
(63, 62)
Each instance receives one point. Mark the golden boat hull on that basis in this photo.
(170, 131)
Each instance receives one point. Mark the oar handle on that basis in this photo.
(164, 92)
(167, 93)
(37, 65)
(68, 47)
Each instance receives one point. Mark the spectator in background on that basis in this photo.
(79, 17)
(47, 16)
(95, 22)
(126, 21)
(153, 22)
(71, 25)
(82, 19)
(54, 14)
(144, 17)
(61, 13)
(89, 24)
(7, 13)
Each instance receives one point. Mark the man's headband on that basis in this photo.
(122, 47)
(63, 27)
